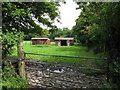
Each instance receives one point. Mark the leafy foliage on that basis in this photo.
(9, 40)
(10, 79)
(65, 32)
(98, 28)
(95, 25)
(0, 77)
(23, 17)
(19, 19)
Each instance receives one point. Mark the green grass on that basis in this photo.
(61, 50)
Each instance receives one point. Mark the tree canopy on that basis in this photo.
(21, 16)
(27, 17)
(19, 19)
(95, 25)
(98, 28)
(65, 32)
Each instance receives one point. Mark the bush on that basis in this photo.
(10, 79)
(0, 77)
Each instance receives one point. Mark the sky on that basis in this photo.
(68, 14)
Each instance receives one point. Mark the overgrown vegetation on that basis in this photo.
(98, 28)
(0, 77)
(10, 79)
(18, 19)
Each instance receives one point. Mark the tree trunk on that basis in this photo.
(21, 62)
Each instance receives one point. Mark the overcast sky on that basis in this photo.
(68, 14)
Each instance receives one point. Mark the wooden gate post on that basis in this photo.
(21, 62)
(108, 70)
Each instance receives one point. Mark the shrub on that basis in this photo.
(10, 79)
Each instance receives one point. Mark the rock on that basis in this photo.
(37, 81)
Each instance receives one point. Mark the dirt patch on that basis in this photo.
(46, 75)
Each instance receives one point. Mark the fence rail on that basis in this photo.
(67, 56)
(107, 72)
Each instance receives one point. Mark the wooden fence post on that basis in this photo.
(108, 71)
(21, 62)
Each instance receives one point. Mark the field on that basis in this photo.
(61, 50)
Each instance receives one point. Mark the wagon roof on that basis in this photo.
(64, 38)
(40, 38)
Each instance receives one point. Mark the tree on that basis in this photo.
(65, 32)
(20, 17)
(98, 27)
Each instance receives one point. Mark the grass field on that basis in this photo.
(61, 50)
